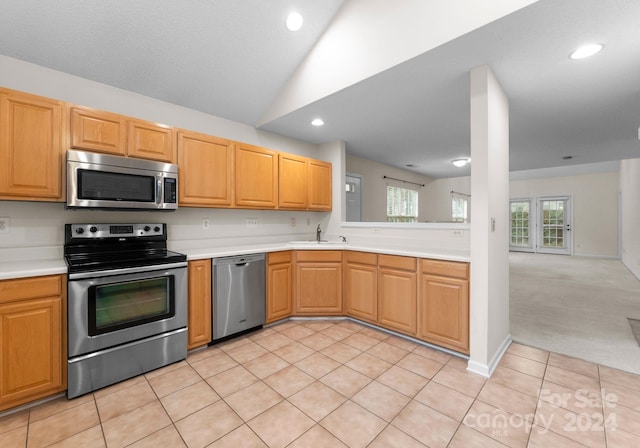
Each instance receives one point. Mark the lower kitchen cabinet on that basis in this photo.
(397, 293)
(318, 279)
(33, 339)
(361, 285)
(444, 304)
(199, 303)
(279, 285)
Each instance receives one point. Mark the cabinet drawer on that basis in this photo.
(30, 288)
(397, 262)
(361, 257)
(279, 257)
(454, 269)
(318, 255)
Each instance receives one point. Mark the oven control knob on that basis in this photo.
(93, 229)
(147, 228)
(79, 230)
(156, 229)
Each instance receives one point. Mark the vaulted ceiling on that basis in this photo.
(235, 59)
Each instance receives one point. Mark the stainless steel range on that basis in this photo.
(127, 303)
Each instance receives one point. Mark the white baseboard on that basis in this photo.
(486, 370)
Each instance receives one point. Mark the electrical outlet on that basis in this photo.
(292, 222)
(5, 225)
(253, 222)
(205, 223)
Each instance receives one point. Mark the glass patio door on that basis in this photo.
(522, 225)
(554, 225)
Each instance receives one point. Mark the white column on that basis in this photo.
(489, 308)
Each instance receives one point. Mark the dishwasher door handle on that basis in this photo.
(241, 265)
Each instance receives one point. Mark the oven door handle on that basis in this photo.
(135, 270)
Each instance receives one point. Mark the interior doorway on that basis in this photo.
(353, 196)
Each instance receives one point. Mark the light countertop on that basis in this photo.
(51, 266)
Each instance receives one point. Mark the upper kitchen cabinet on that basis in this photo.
(98, 131)
(256, 177)
(31, 147)
(151, 141)
(292, 178)
(304, 184)
(205, 165)
(110, 133)
(319, 185)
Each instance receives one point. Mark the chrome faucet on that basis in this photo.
(318, 233)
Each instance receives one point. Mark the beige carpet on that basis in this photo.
(576, 306)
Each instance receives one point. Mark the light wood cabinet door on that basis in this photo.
(256, 177)
(31, 147)
(205, 166)
(199, 304)
(319, 185)
(98, 131)
(32, 339)
(292, 178)
(397, 299)
(318, 279)
(279, 285)
(444, 311)
(151, 141)
(361, 286)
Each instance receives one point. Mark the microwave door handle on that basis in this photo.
(159, 192)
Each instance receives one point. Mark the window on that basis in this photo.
(460, 207)
(520, 224)
(402, 204)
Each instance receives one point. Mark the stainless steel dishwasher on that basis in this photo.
(239, 294)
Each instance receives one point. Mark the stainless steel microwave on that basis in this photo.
(103, 181)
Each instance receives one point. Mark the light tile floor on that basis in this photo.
(341, 384)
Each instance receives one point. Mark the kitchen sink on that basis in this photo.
(317, 243)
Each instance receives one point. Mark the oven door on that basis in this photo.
(108, 310)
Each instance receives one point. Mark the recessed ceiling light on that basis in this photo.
(317, 122)
(461, 162)
(586, 50)
(294, 21)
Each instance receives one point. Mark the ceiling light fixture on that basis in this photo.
(461, 162)
(317, 122)
(586, 50)
(294, 21)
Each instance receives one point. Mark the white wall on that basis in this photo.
(31, 78)
(595, 208)
(630, 204)
(438, 196)
(374, 187)
(35, 224)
